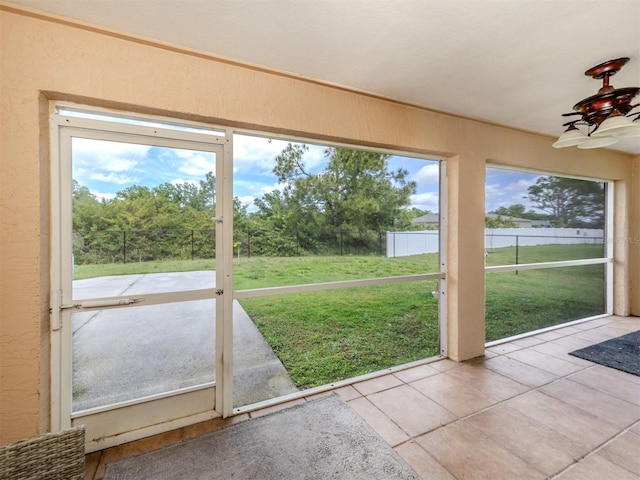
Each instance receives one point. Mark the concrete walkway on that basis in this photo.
(128, 353)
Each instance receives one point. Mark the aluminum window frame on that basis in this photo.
(607, 259)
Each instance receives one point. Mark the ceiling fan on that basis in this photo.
(606, 115)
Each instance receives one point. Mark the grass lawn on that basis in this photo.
(535, 299)
(322, 337)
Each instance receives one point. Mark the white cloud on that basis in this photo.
(104, 196)
(427, 175)
(195, 163)
(104, 161)
(246, 199)
(426, 201)
(257, 155)
(510, 188)
(493, 191)
(108, 156)
(521, 186)
(112, 177)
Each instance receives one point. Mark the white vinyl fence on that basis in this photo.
(402, 244)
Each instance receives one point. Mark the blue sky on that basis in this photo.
(108, 167)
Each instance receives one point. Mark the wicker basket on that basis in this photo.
(51, 456)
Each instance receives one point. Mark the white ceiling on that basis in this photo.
(518, 63)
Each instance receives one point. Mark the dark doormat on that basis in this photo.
(320, 439)
(621, 353)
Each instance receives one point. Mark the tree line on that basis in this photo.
(347, 206)
(561, 202)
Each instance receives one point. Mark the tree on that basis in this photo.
(87, 209)
(415, 212)
(168, 220)
(571, 202)
(517, 210)
(355, 191)
(200, 197)
(499, 222)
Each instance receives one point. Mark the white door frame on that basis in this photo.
(132, 420)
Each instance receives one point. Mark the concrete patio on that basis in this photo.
(127, 353)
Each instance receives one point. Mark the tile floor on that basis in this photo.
(527, 410)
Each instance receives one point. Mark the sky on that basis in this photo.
(106, 167)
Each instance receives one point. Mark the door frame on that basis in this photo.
(107, 125)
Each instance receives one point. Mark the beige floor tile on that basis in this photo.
(595, 467)
(142, 446)
(618, 326)
(528, 341)
(445, 364)
(617, 373)
(469, 454)
(347, 393)
(584, 325)
(568, 330)
(423, 463)
(91, 463)
(635, 429)
(519, 371)
(581, 427)
(416, 373)
(550, 335)
(488, 382)
(598, 322)
(624, 451)
(453, 394)
(489, 354)
(382, 424)
(628, 324)
(377, 384)
(562, 352)
(100, 471)
(504, 348)
(603, 405)
(573, 342)
(595, 335)
(536, 444)
(608, 382)
(613, 329)
(411, 410)
(545, 362)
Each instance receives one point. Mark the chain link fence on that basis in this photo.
(127, 246)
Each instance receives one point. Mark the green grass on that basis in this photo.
(541, 253)
(81, 272)
(322, 337)
(260, 272)
(535, 299)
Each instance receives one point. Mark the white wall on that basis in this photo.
(402, 244)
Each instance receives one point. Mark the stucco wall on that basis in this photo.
(45, 59)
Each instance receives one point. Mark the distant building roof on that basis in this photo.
(429, 219)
